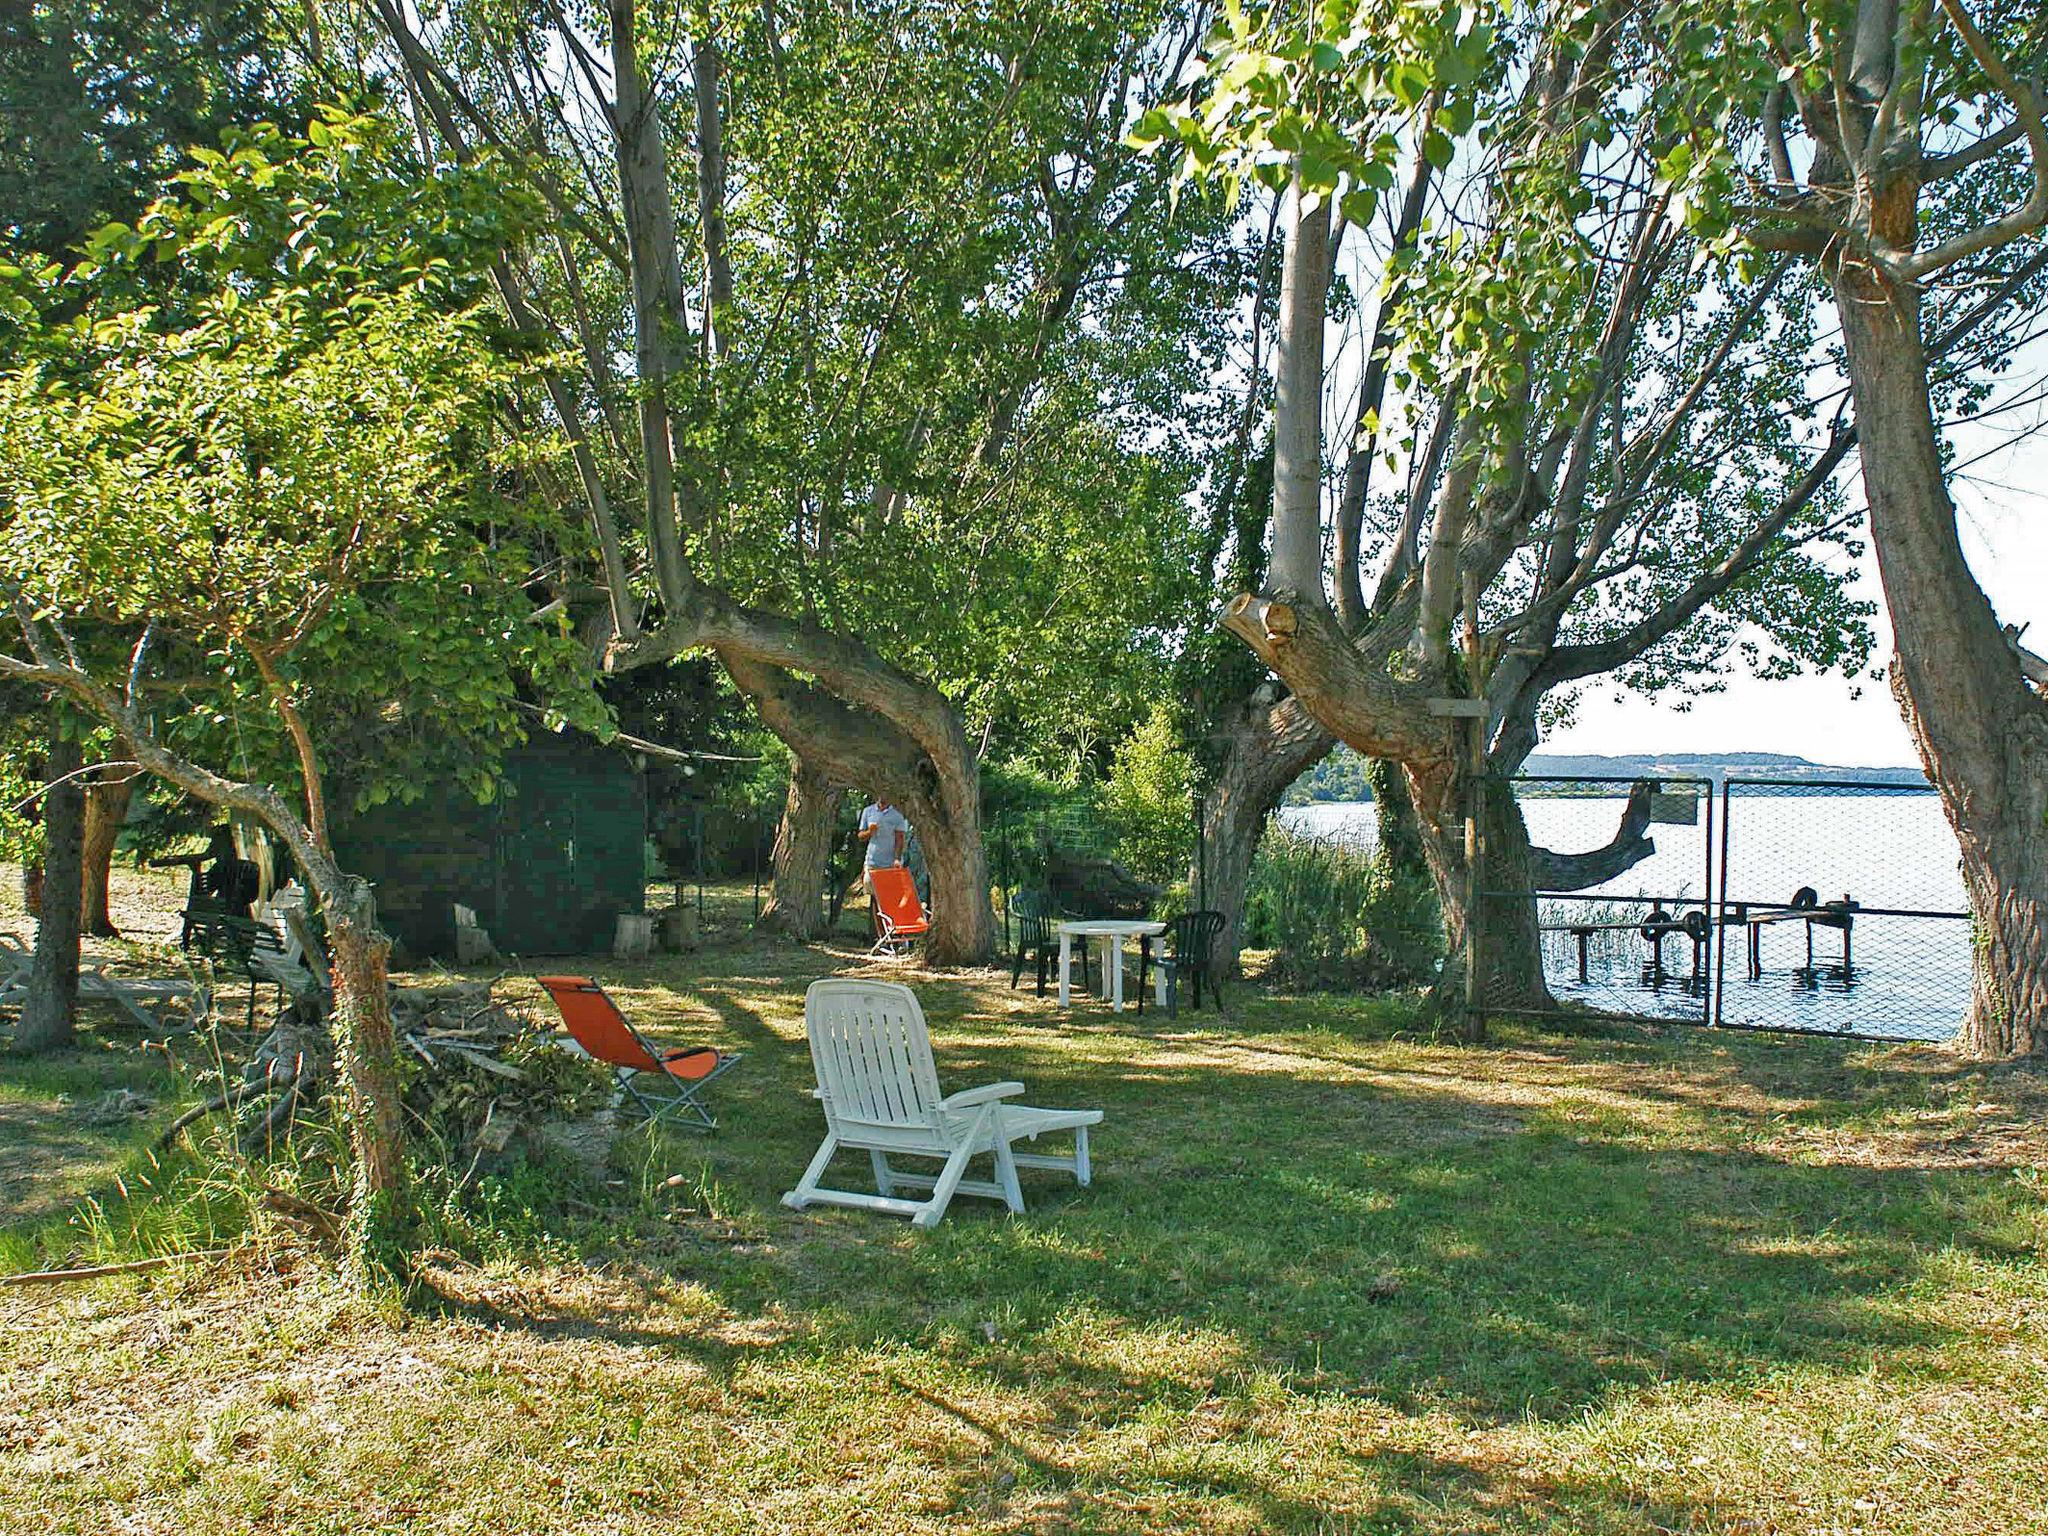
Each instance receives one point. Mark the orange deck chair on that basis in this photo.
(899, 913)
(683, 1074)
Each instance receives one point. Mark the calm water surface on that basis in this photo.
(1908, 977)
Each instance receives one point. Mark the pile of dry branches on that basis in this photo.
(477, 1073)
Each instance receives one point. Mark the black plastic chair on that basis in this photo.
(1192, 937)
(240, 945)
(1036, 913)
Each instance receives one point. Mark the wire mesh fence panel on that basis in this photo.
(1633, 933)
(1841, 911)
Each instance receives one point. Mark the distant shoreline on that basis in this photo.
(1340, 779)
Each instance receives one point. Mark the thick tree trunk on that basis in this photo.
(803, 851)
(947, 816)
(49, 1013)
(106, 808)
(1511, 947)
(1269, 745)
(380, 1215)
(1981, 731)
(932, 774)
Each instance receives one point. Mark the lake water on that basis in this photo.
(1907, 977)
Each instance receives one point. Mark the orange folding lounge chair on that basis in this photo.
(899, 913)
(676, 1079)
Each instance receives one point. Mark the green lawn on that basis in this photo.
(1332, 1277)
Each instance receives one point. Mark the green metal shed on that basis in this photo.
(549, 865)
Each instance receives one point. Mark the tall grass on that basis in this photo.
(1337, 914)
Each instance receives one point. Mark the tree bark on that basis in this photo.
(803, 851)
(49, 1014)
(1400, 834)
(1270, 744)
(1511, 948)
(1297, 562)
(380, 1211)
(1981, 731)
(106, 808)
(947, 816)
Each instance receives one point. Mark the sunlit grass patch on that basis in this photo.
(1335, 1275)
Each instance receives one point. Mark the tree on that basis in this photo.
(270, 506)
(48, 1012)
(1602, 474)
(104, 97)
(1901, 149)
(106, 807)
(900, 358)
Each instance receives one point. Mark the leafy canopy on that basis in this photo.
(294, 476)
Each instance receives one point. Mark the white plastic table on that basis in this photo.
(1109, 934)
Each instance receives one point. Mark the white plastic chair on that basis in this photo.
(881, 1095)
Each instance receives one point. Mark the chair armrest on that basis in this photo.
(972, 1097)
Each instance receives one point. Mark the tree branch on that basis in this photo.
(2029, 216)
(1352, 612)
(1627, 848)
(1576, 661)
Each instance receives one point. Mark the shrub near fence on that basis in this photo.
(1338, 915)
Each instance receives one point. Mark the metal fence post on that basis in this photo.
(1721, 906)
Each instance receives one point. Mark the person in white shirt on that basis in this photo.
(886, 831)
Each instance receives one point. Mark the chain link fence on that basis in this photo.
(1634, 936)
(1842, 911)
(1757, 903)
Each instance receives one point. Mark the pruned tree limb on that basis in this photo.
(1627, 848)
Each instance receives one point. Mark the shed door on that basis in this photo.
(569, 855)
(537, 884)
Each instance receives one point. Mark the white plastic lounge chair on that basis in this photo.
(131, 997)
(881, 1096)
(16, 959)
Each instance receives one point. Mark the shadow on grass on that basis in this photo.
(1307, 1205)
(1431, 1246)
(55, 1143)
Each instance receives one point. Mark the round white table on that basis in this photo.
(1109, 934)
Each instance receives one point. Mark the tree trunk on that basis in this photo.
(1296, 567)
(933, 774)
(380, 1214)
(1270, 744)
(49, 1014)
(106, 808)
(1400, 833)
(803, 851)
(1982, 733)
(1511, 947)
(947, 817)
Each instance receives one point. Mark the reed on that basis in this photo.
(1337, 914)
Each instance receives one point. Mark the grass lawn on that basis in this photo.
(1332, 1277)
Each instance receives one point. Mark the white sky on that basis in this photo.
(2003, 502)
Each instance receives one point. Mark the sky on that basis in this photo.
(2002, 502)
